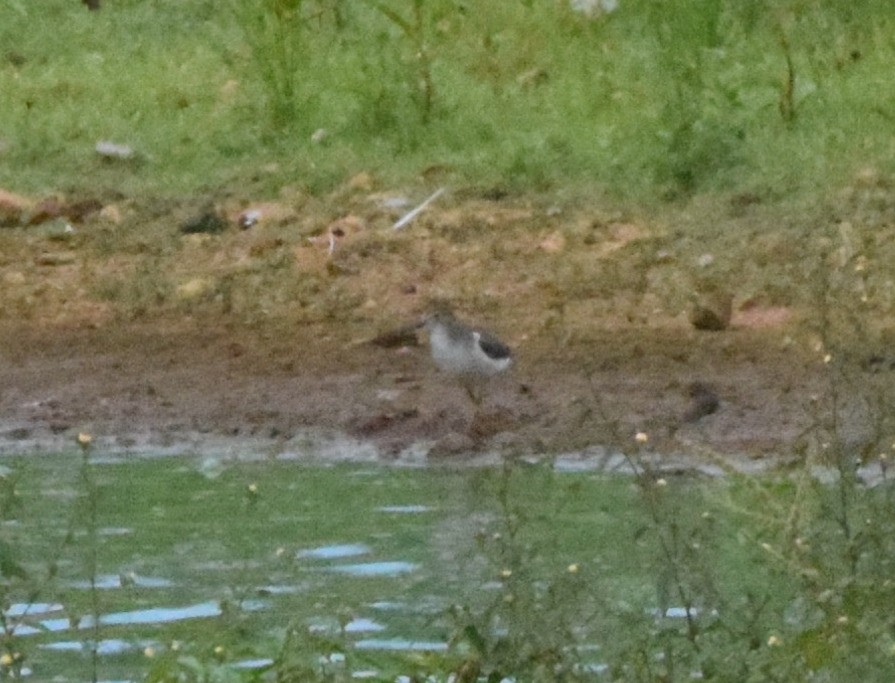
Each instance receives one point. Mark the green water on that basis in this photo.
(203, 569)
(220, 560)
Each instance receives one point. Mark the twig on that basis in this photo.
(410, 215)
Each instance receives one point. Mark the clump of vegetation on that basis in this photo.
(637, 100)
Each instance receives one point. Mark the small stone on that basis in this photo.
(196, 288)
(712, 311)
(111, 214)
(114, 151)
(703, 401)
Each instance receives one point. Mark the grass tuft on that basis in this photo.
(641, 101)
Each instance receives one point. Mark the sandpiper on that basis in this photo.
(470, 353)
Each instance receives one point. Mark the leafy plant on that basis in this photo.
(276, 33)
(415, 30)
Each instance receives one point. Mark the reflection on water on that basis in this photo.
(357, 625)
(404, 509)
(394, 568)
(333, 552)
(21, 609)
(151, 616)
(400, 644)
(252, 663)
(109, 581)
(184, 556)
(113, 646)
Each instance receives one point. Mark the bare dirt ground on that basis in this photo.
(152, 339)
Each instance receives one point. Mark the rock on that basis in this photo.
(703, 401)
(58, 230)
(114, 151)
(249, 218)
(194, 289)
(111, 214)
(712, 311)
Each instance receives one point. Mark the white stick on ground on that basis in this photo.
(410, 215)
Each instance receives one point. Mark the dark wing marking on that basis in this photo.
(493, 347)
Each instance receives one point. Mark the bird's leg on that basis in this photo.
(473, 395)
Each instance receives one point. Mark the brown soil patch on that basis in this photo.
(130, 330)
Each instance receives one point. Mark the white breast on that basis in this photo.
(463, 356)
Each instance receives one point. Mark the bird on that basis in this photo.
(470, 353)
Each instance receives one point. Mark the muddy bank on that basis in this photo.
(194, 386)
(153, 337)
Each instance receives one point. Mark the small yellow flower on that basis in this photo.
(219, 650)
(6, 659)
(253, 488)
(149, 651)
(641, 437)
(85, 439)
(661, 482)
(280, 551)
(506, 573)
(774, 641)
(828, 358)
(573, 568)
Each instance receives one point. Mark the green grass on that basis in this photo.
(527, 96)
